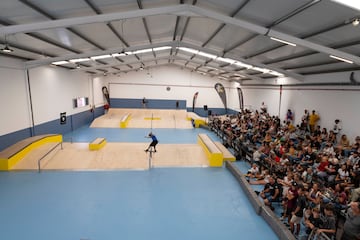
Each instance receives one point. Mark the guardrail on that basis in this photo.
(52, 149)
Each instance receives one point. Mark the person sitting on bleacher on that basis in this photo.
(253, 171)
(328, 226)
(271, 192)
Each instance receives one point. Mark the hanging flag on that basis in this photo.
(221, 91)
(241, 99)
(194, 101)
(106, 95)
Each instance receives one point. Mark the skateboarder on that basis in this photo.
(153, 143)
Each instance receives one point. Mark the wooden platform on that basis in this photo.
(16, 152)
(141, 118)
(77, 156)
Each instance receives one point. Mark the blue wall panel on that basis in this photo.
(52, 127)
(151, 103)
(14, 137)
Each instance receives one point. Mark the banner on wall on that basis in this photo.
(106, 95)
(221, 91)
(194, 100)
(241, 98)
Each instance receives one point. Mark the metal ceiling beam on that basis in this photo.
(101, 18)
(233, 14)
(309, 53)
(48, 15)
(40, 62)
(317, 32)
(273, 33)
(178, 9)
(98, 11)
(276, 22)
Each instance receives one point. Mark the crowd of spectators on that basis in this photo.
(311, 172)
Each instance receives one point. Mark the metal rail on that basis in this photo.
(39, 161)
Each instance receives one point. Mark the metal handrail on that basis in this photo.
(39, 161)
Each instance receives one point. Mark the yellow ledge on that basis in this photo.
(125, 120)
(214, 155)
(15, 153)
(97, 144)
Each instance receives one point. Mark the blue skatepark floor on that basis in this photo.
(162, 203)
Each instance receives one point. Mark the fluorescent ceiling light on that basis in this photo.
(240, 64)
(118, 54)
(79, 60)
(226, 60)
(162, 48)
(101, 57)
(276, 73)
(263, 70)
(60, 62)
(283, 41)
(190, 50)
(142, 51)
(207, 55)
(350, 3)
(342, 59)
(6, 49)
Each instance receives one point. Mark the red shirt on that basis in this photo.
(322, 166)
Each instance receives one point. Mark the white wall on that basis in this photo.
(152, 84)
(53, 89)
(14, 100)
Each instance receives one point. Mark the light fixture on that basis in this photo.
(283, 41)
(6, 49)
(355, 22)
(100, 57)
(60, 62)
(350, 3)
(342, 59)
(76, 60)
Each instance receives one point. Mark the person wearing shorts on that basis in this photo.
(298, 213)
(153, 143)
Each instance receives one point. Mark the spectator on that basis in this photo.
(312, 223)
(253, 171)
(271, 192)
(337, 127)
(289, 116)
(313, 119)
(352, 223)
(298, 213)
(305, 121)
(328, 226)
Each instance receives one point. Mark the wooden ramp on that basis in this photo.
(77, 156)
(144, 118)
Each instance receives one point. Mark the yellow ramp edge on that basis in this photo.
(6, 163)
(125, 120)
(97, 144)
(226, 153)
(214, 155)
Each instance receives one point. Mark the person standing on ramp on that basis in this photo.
(153, 143)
